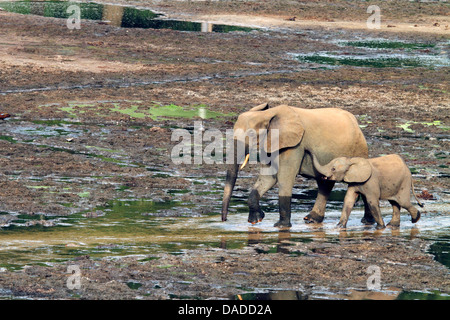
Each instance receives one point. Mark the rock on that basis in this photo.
(425, 195)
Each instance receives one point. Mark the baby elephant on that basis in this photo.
(382, 178)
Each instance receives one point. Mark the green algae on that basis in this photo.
(159, 112)
(437, 123)
(8, 138)
(380, 44)
(139, 110)
(406, 127)
(381, 62)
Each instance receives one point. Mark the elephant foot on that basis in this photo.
(256, 216)
(417, 217)
(394, 224)
(283, 224)
(313, 217)
(380, 226)
(342, 225)
(368, 220)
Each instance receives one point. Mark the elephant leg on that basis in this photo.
(318, 211)
(374, 204)
(261, 186)
(415, 214)
(395, 221)
(349, 202)
(289, 166)
(404, 202)
(368, 217)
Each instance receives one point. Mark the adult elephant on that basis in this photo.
(328, 133)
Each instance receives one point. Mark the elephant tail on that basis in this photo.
(412, 188)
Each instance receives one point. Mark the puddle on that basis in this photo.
(351, 294)
(46, 131)
(115, 15)
(145, 226)
(375, 60)
(381, 53)
(385, 44)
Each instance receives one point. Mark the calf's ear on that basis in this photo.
(359, 171)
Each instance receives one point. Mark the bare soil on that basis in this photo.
(44, 67)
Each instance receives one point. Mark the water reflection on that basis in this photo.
(353, 294)
(390, 293)
(285, 237)
(207, 27)
(115, 15)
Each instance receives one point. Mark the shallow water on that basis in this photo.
(380, 53)
(348, 294)
(143, 226)
(376, 60)
(116, 15)
(146, 227)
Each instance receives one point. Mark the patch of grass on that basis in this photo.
(174, 111)
(364, 62)
(406, 126)
(55, 122)
(84, 194)
(379, 44)
(8, 138)
(138, 111)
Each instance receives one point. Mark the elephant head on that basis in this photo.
(350, 170)
(263, 124)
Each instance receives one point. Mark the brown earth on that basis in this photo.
(44, 66)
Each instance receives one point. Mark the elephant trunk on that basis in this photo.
(232, 174)
(321, 169)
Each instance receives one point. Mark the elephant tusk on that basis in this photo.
(245, 161)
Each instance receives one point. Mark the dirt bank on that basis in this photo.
(82, 133)
(316, 270)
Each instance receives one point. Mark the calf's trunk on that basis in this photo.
(321, 169)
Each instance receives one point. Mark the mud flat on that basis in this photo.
(86, 177)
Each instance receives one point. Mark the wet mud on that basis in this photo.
(86, 176)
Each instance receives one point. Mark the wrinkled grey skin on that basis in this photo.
(382, 178)
(328, 132)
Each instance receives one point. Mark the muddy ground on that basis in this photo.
(75, 81)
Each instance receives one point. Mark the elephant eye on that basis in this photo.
(333, 169)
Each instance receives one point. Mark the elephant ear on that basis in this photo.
(359, 171)
(285, 129)
(260, 107)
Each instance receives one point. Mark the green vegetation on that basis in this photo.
(381, 62)
(56, 9)
(136, 110)
(380, 44)
(406, 126)
(417, 295)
